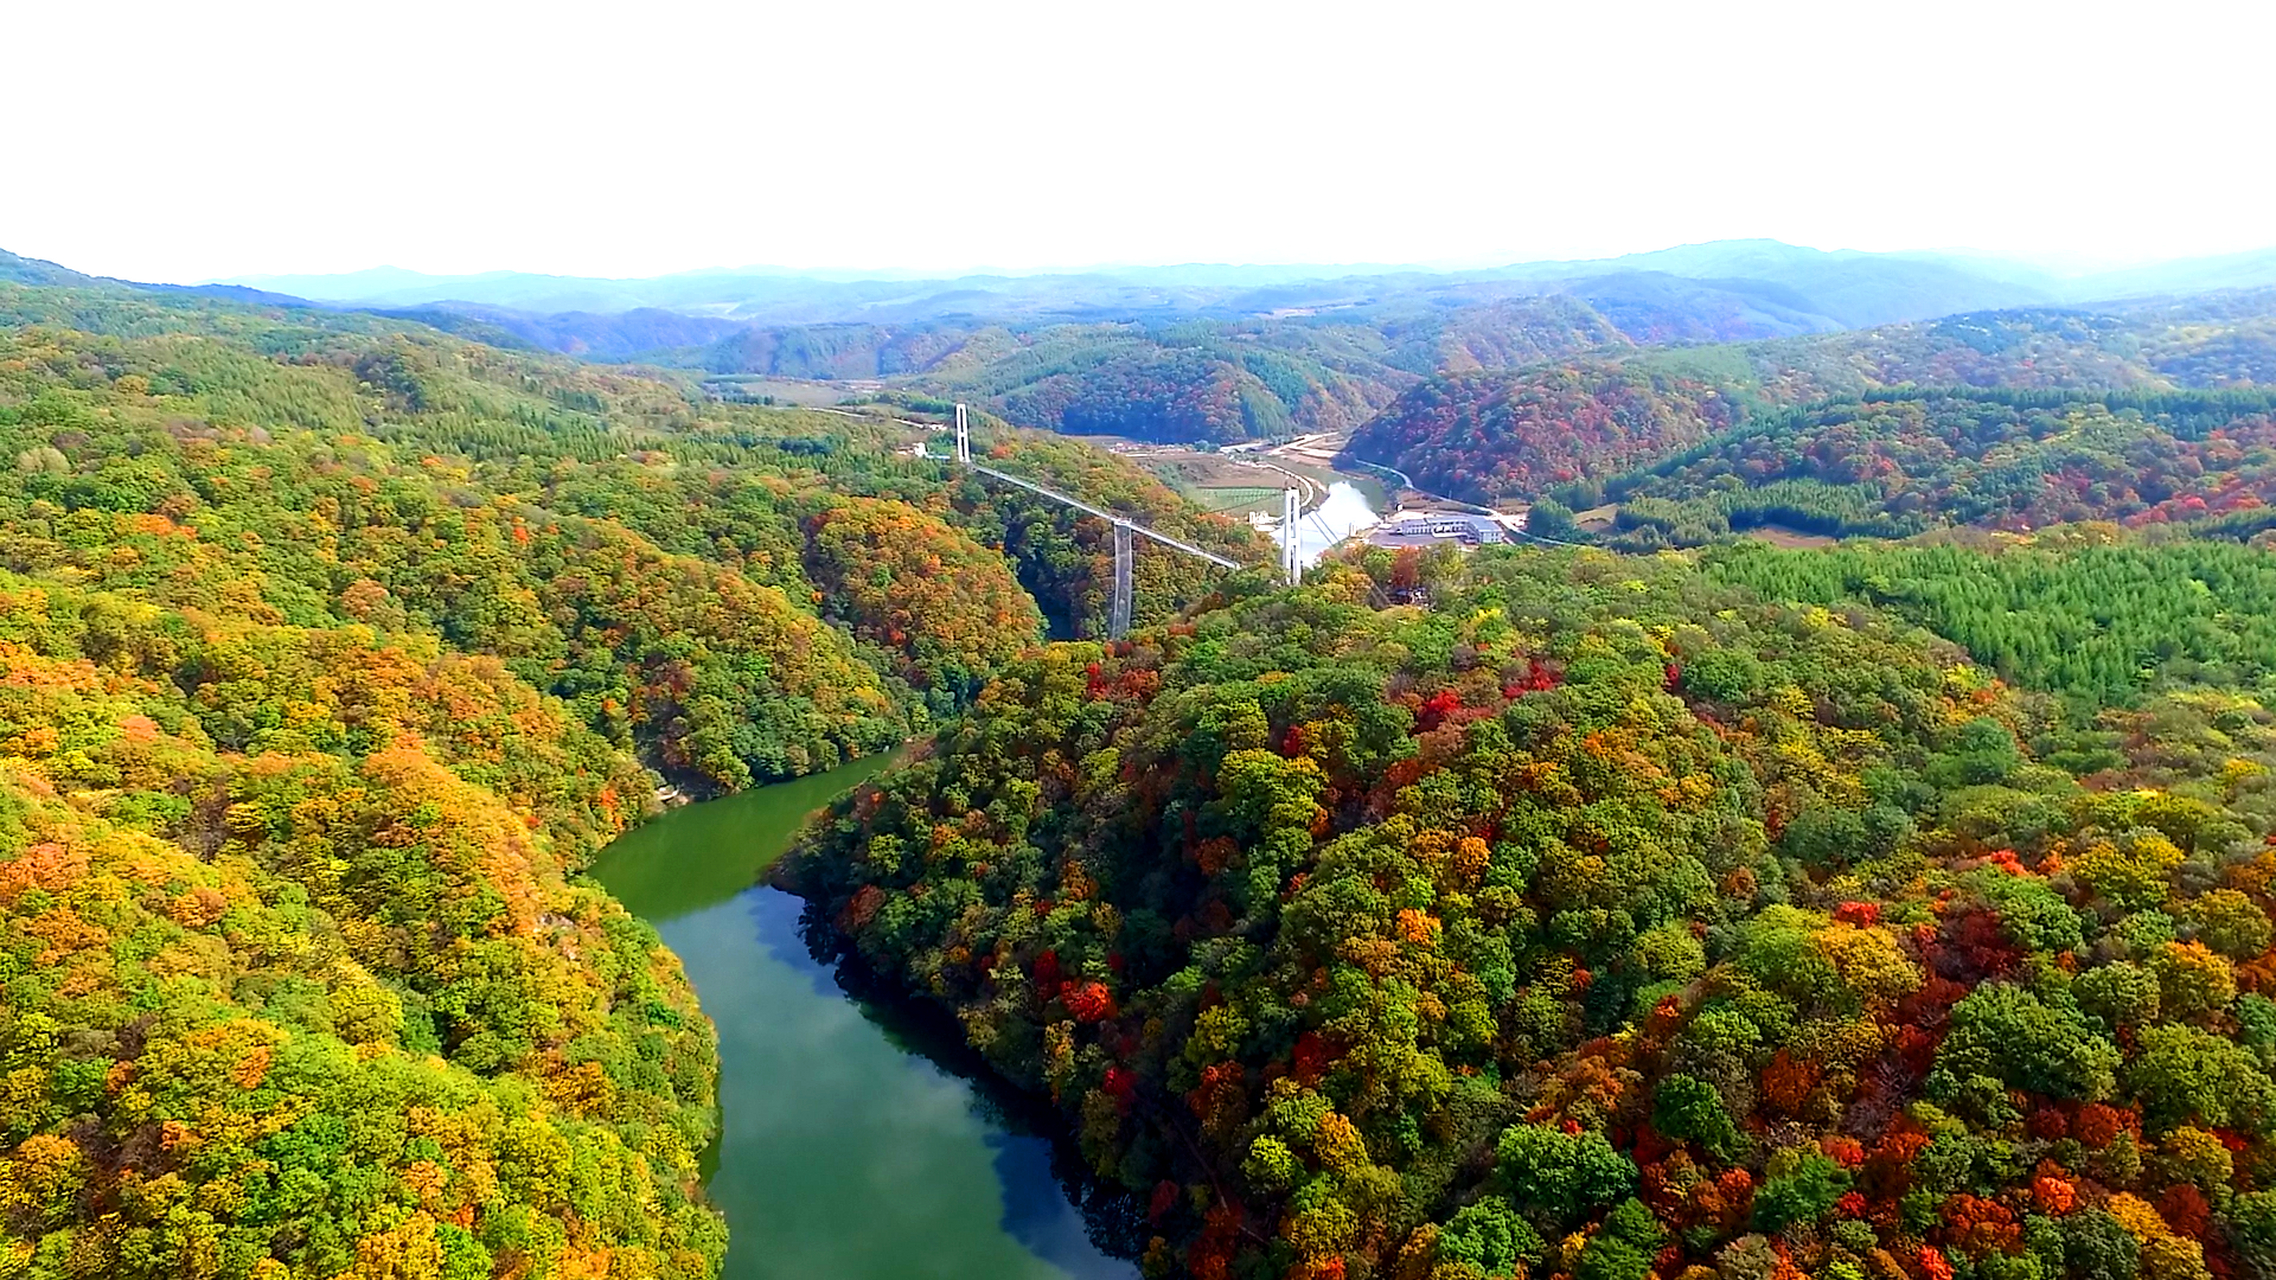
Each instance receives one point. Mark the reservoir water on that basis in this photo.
(1342, 513)
(843, 1153)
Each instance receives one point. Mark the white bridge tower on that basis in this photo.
(1126, 530)
(1291, 553)
(1118, 607)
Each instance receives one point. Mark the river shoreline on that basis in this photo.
(928, 1029)
(858, 1137)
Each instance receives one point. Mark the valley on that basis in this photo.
(1829, 835)
(843, 1149)
(1187, 641)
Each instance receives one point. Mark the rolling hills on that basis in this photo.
(1901, 911)
(1223, 354)
(332, 648)
(1216, 381)
(1893, 465)
(1331, 369)
(1520, 434)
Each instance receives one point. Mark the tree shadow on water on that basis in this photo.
(1054, 1206)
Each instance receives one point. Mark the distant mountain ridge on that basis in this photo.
(1850, 288)
(16, 269)
(1220, 353)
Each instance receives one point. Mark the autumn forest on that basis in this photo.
(1648, 900)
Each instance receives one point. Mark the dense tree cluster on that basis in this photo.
(2077, 611)
(1601, 919)
(295, 983)
(911, 582)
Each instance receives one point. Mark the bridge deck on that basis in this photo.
(1080, 505)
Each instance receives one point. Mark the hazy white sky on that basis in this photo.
(186, 140)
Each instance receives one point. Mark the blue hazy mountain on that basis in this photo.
(1786, 288)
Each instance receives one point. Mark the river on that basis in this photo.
(843, 1154)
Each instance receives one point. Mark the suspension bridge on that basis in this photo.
(1127, 531)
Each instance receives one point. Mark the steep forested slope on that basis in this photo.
(1483, 436)
(1597, 919)
(295, 984)
(910, 582)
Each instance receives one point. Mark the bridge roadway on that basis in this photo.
(1056, 496)
(1080, 505)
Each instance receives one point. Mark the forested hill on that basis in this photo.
(1613, 917)
(1201, 353)
(331, 647)
(1194, 380)
(295, 979)
(1220, 380)
(525, 506)
(1894, 464)
(1900, 912)
(1520, 434)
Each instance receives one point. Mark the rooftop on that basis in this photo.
(1433, 528)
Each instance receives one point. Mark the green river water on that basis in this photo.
(843, 1153)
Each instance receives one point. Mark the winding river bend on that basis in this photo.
(843, 1153)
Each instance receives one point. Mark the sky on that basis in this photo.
(188, 140)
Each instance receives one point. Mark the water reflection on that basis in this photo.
(1343, 512)
(1052, 1204)
(1038, 1214)
(856, 1141)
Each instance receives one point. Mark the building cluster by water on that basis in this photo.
(1444, 528)
(1346, 514)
